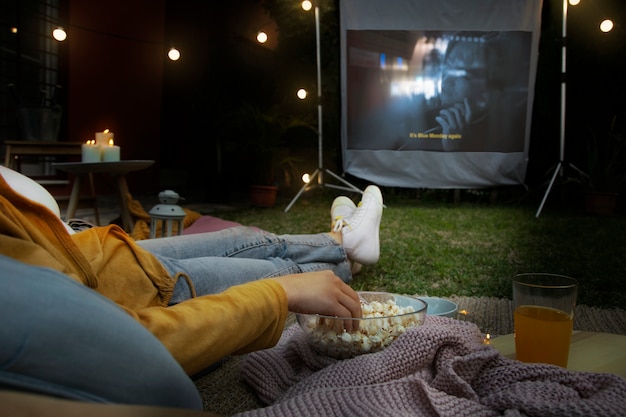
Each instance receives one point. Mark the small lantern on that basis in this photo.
(167, 212)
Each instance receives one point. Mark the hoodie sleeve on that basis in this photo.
(202, 330)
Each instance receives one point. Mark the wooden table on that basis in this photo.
(15, 148)
(589, 351)
(116, 169)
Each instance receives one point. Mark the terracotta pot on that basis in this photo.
(263, 195)
(601, 203)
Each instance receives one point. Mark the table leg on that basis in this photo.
(7, 157)
(74, 196)
(122, 188)
(94, 197)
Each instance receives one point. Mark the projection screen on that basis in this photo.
(438, 94)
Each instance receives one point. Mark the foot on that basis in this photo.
(355, 267)
(342, 207)
(360, 230)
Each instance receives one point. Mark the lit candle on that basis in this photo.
(91, 152)
(103, 138)
(110, 152)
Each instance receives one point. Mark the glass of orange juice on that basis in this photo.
(543, 317)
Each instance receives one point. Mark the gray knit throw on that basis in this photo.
(439, 369)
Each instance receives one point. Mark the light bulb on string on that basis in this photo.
(302, 93)
(59, 34)
(173, 54)
(606, 25)
(307, 5)
(261, 37)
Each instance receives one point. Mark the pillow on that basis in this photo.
(32, 190)
(208, 224)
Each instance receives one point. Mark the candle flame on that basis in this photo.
(487, 339)
(106, 131)
(110, 142)
(91, 142)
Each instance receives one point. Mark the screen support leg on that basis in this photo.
(558, 169)
(318, 175)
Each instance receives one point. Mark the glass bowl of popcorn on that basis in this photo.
(385, 317)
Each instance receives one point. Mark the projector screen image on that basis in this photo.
(440, 91)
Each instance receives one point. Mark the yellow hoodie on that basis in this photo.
(198, 332)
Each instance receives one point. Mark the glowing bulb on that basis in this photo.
(261, 37)
(306, 178)
(302, 93)
(59, 34)
(606, 25)
(14, 30)
(307, 5)
(173, 54)
(574, 2)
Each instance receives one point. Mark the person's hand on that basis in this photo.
(455, 118)
(321, 292)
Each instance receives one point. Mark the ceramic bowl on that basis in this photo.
(440, 307)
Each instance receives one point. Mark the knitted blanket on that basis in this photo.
(442, 368)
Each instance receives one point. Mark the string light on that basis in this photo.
(302, 93)
(606, 25)
(173, 54)
(58, 34)
(261, 37)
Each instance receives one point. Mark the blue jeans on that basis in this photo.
(217, 260)
(60, 338)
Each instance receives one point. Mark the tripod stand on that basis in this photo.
(319, 172)
(559, 169)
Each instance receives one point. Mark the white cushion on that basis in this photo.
(31, 190)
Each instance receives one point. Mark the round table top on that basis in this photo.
(116, 167)
(589, 351)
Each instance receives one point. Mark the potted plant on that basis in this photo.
(605, 175)
(262, 138)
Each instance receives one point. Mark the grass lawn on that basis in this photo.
(438, 248)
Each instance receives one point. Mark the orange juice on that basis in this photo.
(542, 334)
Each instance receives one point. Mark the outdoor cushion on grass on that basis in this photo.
(206, 223)
(193, 222)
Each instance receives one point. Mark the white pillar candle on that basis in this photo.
(91, 152)
(103, 138)
(110, 152)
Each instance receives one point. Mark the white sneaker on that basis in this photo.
(342, 207)
(360, 230)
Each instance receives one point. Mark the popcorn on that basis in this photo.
(385, 321)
